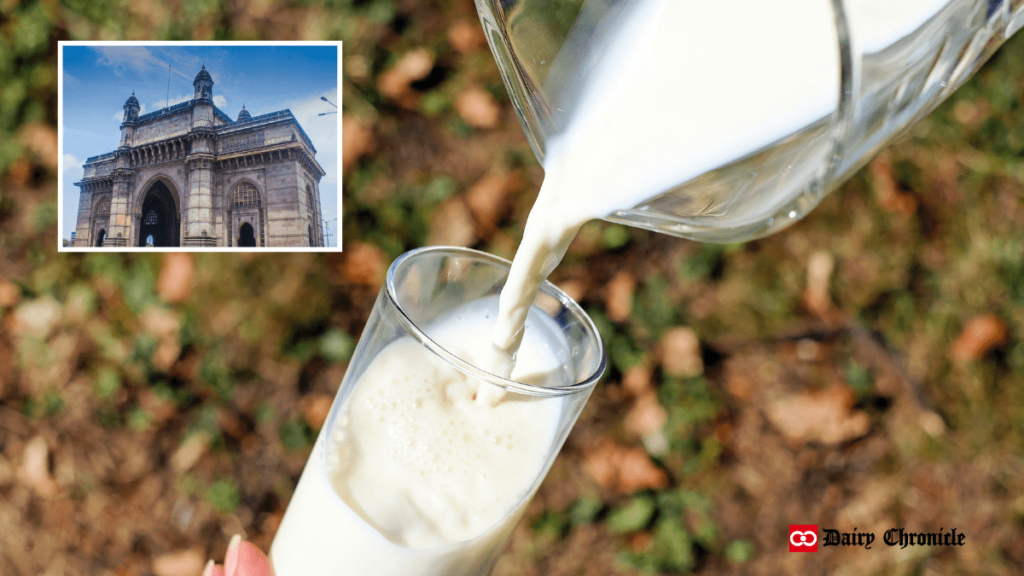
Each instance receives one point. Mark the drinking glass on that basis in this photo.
(897, 61)
(320, 534)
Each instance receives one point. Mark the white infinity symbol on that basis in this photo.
(804, 537)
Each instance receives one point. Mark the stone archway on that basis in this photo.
(159, 217)
(100, 237)
(246, 236)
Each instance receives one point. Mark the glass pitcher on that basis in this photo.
(893, 63)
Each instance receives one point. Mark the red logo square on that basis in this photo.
(803, 537)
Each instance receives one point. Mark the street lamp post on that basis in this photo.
(324, 98)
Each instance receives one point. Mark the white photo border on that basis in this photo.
(211, 43)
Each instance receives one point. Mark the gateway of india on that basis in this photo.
(189, 176)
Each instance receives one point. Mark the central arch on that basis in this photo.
(159, 217)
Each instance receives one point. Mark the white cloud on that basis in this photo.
(132, 60)
(220, 101)
(159, 104)
(71, 164)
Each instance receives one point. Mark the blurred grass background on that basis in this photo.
(861, 369)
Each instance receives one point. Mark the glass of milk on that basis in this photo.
(724, 121)
(412, 474)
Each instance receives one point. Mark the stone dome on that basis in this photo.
(243, 115)
(132, 101)
(203, 76)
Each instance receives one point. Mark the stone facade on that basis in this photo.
(188, 175)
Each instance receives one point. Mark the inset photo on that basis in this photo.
(199, 146)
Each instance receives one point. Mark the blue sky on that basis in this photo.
(98, 79)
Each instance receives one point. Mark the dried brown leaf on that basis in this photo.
(35, 468)
(623, 469)
(364, 264)
(356, 141)
(315, 408)
(618, 296)
(980, 335)
(189, 453)
(175, 282)
(478, 108)
(679, 350)
(452, 225)
(183, 563)
(466, 36)
(825, 416)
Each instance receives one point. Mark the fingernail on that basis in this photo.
(231, 558)
(209, 568)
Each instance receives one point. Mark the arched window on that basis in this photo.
(309, 199)
(101, 237)
(245, 194)
(103, 207)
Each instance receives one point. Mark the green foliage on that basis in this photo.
(604, 326)
(45, 216)
(53, 403)
(585, 510)
(740, 551)
(860, 379)
(214, 371)
(616, 236)
(139, 419)
(434, 103)
(624, 352)
(689, 400)
(633, 516)
(223, 495)
(551, 525)
(296, 435)
(188, 484)
(205, 420)
(701, 265)
(139, 285)
(381, 11)
(107, 383)
(673, 548)
(264, 412)
(27, 81)
(98, 11)
(337, 346)
(439, 188)
(653, 310)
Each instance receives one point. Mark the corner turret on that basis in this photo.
(131, 109)
(203, 84)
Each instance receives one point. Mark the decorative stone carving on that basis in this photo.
(243, 142)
